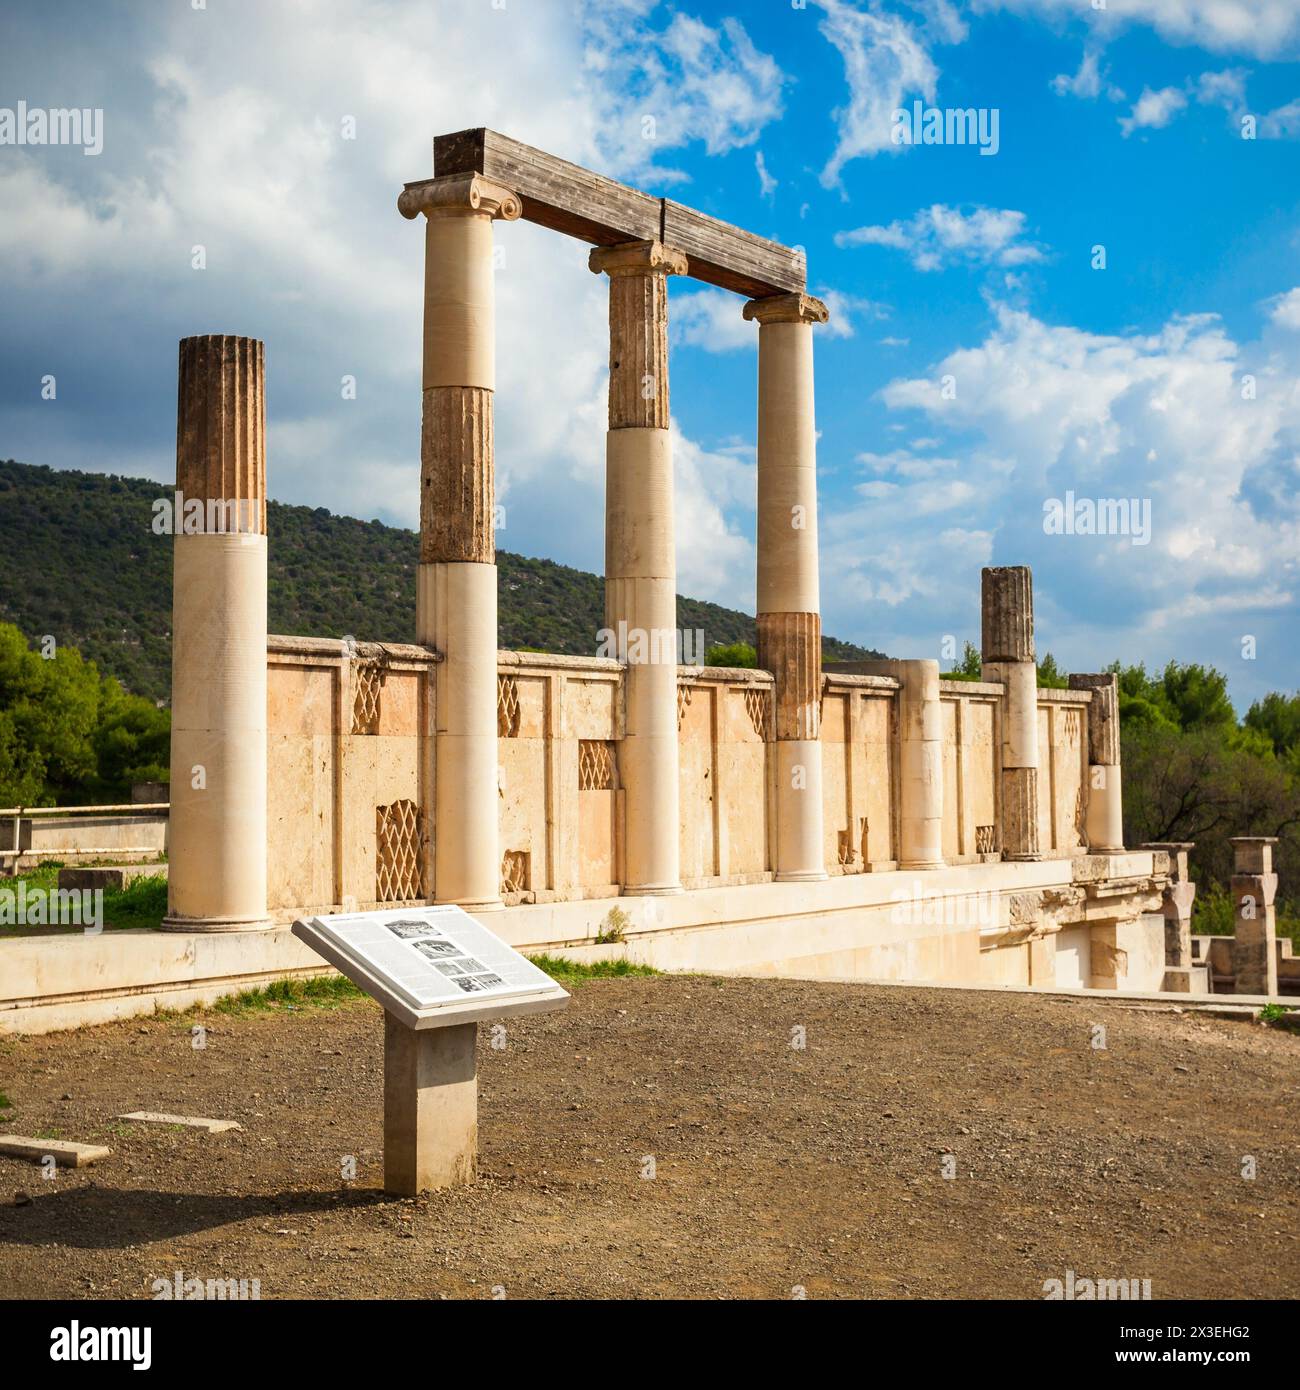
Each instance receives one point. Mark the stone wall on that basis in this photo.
(351, 765)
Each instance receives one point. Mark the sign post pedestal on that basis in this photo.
(430, 1107)
(438, 973)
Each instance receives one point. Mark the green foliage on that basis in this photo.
(1277, 718)
(1188, 697)
(104, 586)
(142, 904)
(1190, 772)
(68, 734)
(970, 668)
(733, 654)
(1212, 912)
(319, 991)
(1050, 675)
(572, 972)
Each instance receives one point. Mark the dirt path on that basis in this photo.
(775, 1168)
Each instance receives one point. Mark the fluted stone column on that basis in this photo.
(789, 599)
(640, 560)
(1254, 938)
(1007, 611)
(456, 585)
(1105, 819)
(217, 831)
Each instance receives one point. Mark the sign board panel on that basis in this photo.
(431, 966)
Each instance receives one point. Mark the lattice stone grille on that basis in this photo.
(595, 765)
(1071, 726)
(758, 704)
(684, 696)
(516, 871)
(986, 839)
(399, 873)
(507, 707)
(367, 682)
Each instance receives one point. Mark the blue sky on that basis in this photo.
(1171, 376)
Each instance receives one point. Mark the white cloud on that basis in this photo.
(844, 310)
(714, 556)
(660, 89)
(1285, 309)
(940, 236)
(767, 185)
(1153, 110)
(1282, 124)
(885, 61)
(1264, 28)
(1042, 409)
(305, 247)
(1226, 88)
(711, 319)
(1088, 82)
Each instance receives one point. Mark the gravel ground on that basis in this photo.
(663, 1138)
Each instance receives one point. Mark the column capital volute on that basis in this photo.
(787, 308)
(459, 195)
(637, 258)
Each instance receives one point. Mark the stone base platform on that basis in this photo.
(1047, 925)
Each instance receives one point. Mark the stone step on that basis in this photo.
(108, 876)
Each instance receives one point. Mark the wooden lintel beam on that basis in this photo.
(568, 198)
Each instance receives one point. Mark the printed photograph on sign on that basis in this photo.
(433, 956)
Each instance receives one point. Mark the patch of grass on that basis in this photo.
(5, 1102)
(572, 972)
(319, 992)
(142, 903)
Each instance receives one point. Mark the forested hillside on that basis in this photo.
(81, 563)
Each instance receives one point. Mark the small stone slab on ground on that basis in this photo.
(152, 1117)
(108, 876)
(65, 1153)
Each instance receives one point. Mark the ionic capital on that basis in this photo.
(637, 258)
(787, 308)
(459, 195)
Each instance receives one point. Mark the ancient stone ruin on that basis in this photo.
(862, 821)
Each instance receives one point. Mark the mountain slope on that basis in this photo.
(80, 562)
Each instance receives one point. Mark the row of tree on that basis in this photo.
(1193, 771)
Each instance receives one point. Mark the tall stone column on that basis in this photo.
(456, 584)
(1105, 819)
(789, 599)
(1007, 611)
(640, 560)
(1254, 938)
(217, 831)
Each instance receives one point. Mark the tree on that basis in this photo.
(969, 668)
(1277, 717)
(732, 654)
(68, 735)
(1050, 674)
